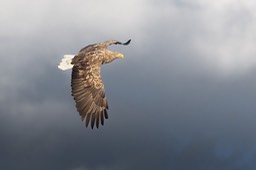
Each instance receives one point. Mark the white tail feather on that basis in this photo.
(65, 63)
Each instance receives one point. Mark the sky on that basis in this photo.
(182, 98)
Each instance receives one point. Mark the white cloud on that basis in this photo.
(227, 38)
(218, 35)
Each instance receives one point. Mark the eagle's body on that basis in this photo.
(87, 86)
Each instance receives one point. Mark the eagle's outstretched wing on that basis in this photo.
(88, 90)
(87, 86)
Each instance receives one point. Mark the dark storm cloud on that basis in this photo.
(183, 97)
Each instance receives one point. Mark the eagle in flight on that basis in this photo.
(87, 87)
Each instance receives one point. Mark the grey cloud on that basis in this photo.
(169, 106)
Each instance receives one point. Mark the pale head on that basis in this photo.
(111, 56)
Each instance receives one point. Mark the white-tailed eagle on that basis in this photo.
(86, 83)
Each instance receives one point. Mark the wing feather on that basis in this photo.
(102, 117)
(88, 89)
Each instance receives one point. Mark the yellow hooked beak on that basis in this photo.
(120, 55)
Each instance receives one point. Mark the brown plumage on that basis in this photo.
(87, 86)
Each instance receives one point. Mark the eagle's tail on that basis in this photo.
(65, 63)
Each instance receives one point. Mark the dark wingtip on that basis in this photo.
(128, 42)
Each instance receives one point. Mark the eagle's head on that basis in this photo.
(111, 56)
